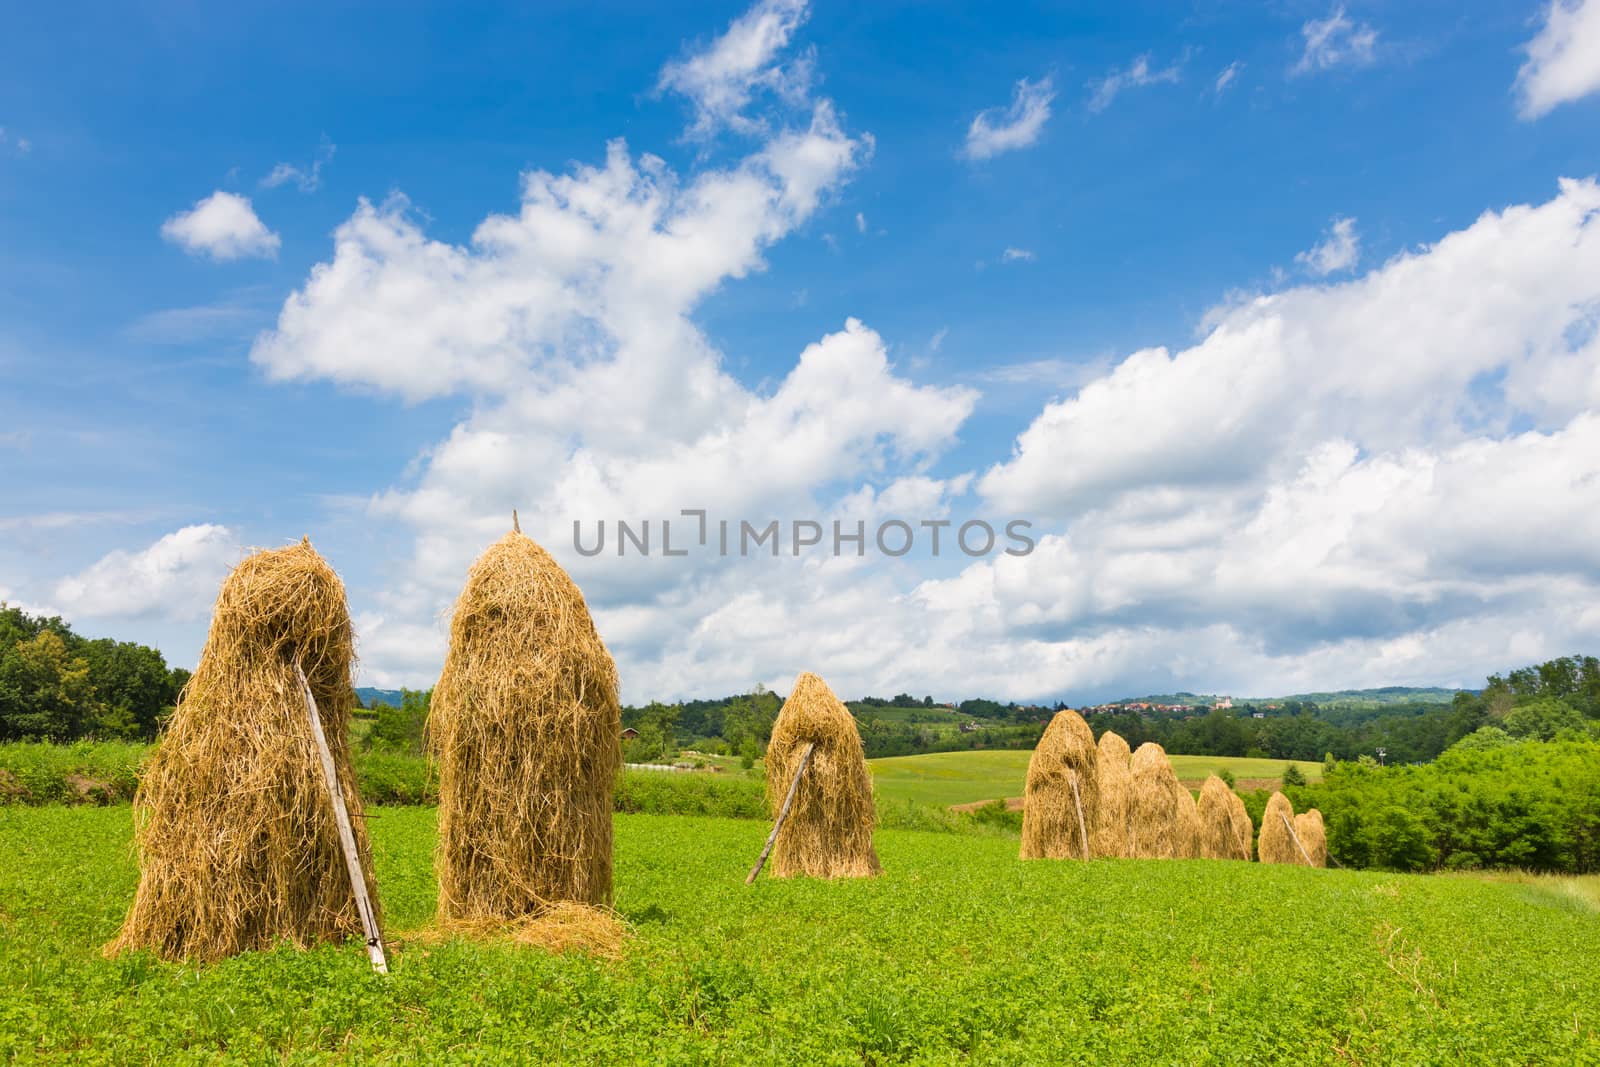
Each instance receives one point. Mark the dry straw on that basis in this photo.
(828, 832)
(234, 824)
(1109, 835)
(1061, 798)
(525, 727)
(1163, 823)
(1277, 844)
(1225, 830)
(1313, 837)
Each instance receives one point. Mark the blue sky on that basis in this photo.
(905, 261)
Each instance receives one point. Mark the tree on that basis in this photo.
(45, 692)
(133, 684)
(1541, 719)
(1292, 775)
(402, 729)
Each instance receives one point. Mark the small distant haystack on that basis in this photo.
(1062, 793)
(1276, 844)
(238, 843)
(828, 831)
(525, 727)
(1109, 835)
(1313, 837)
(1162, 820)
(1225, 830)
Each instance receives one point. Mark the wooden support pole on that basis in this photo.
(515, 523)
(1287, 825)
(783, 812)
(1083, 832)
(347, 837)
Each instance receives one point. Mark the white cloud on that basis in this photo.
(1018, 125)
(307, 179)
(1328, 485)
(1384, 479)
(223, 226)
(721, 79)
(1380, 360)
(1339, 250)
(861, 223)
(1228, 75)
(1334, 42)
(1563, 62)
(175, 578)
(1011, 255)
(1138, 74)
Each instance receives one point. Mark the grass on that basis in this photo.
(959, 954)
(963, 777)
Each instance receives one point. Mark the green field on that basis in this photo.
(958, 954)
(963, 777)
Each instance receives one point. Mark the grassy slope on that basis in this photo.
(960, 953)
(962, 777)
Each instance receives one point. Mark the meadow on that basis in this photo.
(968, 777)
(958, 954)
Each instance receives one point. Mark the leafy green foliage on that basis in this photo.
(959, 953)
(1485, 803)
(58, 686)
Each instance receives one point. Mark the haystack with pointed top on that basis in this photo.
(1062, 795)
(1225, 830)
(828, 833)
(1313, 836)
(1276, 843)
(525, 727)
(1108, 837)
(1162, 820)
(234, 824)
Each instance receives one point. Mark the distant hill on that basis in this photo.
(370, 696)
(1389, 694)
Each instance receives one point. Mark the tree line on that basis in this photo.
(56, 685)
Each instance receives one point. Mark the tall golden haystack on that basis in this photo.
(237, 840)
(1313, 836)
(1225, 830)
(1062, 776)
(1276, 845)
(1162, 820)
(526, 729)
(828, 833)
(1109, 835)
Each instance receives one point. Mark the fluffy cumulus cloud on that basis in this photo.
(223, 226)
(1392, 475)
(1384, 478)
(1017, 125)
(1563, 62)
(176, 578)
(1335, 41)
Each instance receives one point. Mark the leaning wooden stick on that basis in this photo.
(1287, 825)
(347, 837)
(783, 812)
(1083, 833)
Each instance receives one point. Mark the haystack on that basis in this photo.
(234, 823)
(1276, 844)
(1313, 836)
(1225, 830)
(1162, 820)
(828, 831)
(525, 727)
(1062, 795)
(1109, 835)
